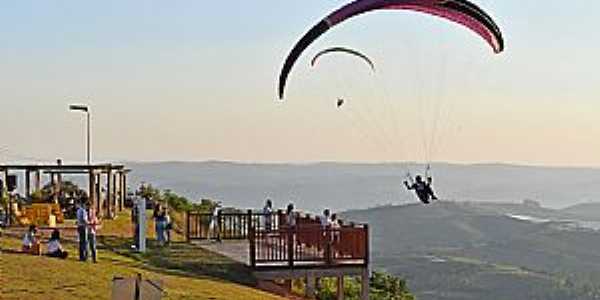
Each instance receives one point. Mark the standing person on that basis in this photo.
(168, 226)
(213, 228)
(335, 227)
(290, 216)
(55, 249)
(82, 223)
(93, 224)
(158, 218)
(268, 214)
(136, 225)
(325, 219)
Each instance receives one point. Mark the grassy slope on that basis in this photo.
(186, 271)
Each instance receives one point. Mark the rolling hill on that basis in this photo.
(454, 250)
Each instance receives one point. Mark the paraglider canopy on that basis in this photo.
(365, 58)
(459, 11)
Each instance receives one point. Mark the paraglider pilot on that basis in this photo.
(422, 188)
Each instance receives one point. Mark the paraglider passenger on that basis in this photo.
(423, 189)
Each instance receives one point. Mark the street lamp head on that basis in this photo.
(78, 107)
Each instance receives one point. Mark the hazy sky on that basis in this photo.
(195, 80)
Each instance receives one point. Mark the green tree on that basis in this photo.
(383, 286)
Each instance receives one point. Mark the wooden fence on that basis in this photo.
(275, 244)
(228, 226)
(310, 246)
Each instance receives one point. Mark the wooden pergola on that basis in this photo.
(114, 175)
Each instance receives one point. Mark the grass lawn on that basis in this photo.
(187, 272)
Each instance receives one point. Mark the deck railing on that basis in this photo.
(228, 226)
(310, 246)
(275, 244)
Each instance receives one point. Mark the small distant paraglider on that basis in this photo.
(340, 103)
(344, 50)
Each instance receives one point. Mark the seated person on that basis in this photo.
(30, 243)
(423, 189)
(54, 247)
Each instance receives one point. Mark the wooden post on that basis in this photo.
(114, 193)
(365, 287)
(187, 226)
(310, 287)
(218, 225)
(123, 190)
(7, 220)
(290, 246)
(4, 178)
(38, 180)
(98, 193)
(109, 194)
(340, 288)
(54, 187)
(58, 179)
(367, 246)
(280, 219)
(92, 195)
(249, 224)
(27, 183)
(252, 239)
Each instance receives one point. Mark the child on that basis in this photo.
(30, 243)
(54, 247)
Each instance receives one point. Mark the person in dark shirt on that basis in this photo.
(423, 189)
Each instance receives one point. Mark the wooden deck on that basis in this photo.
(248, 240)
(274, 250)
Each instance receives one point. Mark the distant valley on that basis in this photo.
(344, 186)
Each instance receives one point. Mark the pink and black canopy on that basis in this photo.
(459, 11)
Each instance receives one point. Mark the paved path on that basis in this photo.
(236, 250)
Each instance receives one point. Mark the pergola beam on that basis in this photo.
(116, 188)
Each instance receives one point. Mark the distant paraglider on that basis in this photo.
(340, 103)
(459, 11)
(365, 58)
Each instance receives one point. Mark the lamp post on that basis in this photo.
(86, 110)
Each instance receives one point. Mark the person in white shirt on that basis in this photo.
(55, 249)
(30, 243)
(214, 230)
(325, 219)
(168, 225)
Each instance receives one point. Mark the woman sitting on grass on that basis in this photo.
(54, 247)
(30, 243)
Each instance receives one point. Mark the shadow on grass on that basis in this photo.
(180, 258)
